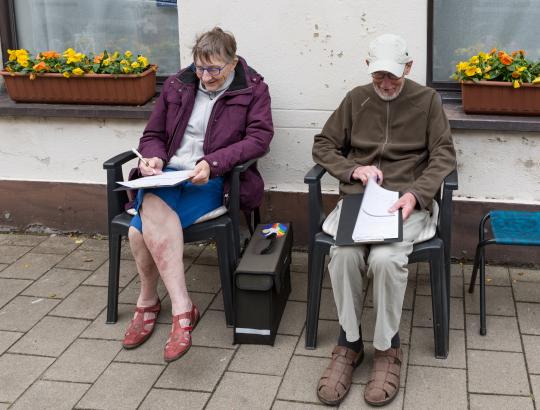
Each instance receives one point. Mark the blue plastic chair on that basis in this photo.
(508, 228)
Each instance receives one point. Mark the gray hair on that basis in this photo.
(214, 43)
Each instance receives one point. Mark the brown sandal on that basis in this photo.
(384, 382)
(337, 378)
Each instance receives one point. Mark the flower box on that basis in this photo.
(54, 88)
(497, 97)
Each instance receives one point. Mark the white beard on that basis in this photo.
(388, 97)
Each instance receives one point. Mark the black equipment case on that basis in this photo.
(262, 284)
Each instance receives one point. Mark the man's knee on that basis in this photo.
(346, 259)
(388, 262)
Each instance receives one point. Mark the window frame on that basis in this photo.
(8, 34)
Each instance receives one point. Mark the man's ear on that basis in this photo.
(407, 68)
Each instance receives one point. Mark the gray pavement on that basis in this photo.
(57, 352)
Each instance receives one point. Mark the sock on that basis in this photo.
(395, 342)
(357, 345)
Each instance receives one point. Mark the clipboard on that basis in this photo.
(349, 212)
(164, 180)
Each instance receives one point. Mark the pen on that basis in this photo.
(142, 159)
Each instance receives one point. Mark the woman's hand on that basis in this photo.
(155, 166)
(201, 173)
(363, 173)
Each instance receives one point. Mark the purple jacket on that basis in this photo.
(240, 127)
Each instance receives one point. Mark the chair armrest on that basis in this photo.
(451, 181)
(316, 213)
(118, 160)
(116, 199)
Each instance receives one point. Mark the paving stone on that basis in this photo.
(208, 256)
(125, 250)
(291, 405)
(174, 400)
(130, 293)
(525, 275)
(299, 262)
(151, 351)
(486, 368)
(436, 388)
(10, 253)
(293, 319)
(201, 300)
(83, 361)
(423, 286)
(57, 244)
(91, 244)
(4, 406)
(298, 287)
(57, 283)
(203, 278)
(51, 395)
(502, 334)
(22, 239)
(495, 275)
(301, 379)
(31, 266)
(9, 288)
(128, 270)
(257, 391)
(494, 402)
(213, 332)
(7, 339)
(264, 359)
(3, 266)
(423, 349)
(203, 365)
(86, 302)
(527, 291)
(535, 383)
(355, 400)
(23, 370)
(23, 312)
(114, 331)
(328, 308)
(532, 353)
(327, 336)
(50, 337)
(499, 301)
(529, 318)
(368, 325)
(217, 302)
(456, 269)
(423, 312)
(85, 260)
(121, 386)
(362, 373)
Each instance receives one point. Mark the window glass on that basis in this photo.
(148, 27)
(462, 28)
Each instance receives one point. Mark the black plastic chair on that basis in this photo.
(436, 251)
(225, 230)
(508, 228)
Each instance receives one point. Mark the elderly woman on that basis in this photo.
(209, 117)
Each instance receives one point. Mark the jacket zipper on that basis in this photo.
(386, 133)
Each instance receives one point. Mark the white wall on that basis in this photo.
(311, 54)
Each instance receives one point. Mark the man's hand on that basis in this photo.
(201, 173)
(407, 203)
(363, 173)
(155, 168)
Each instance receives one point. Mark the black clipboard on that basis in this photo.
(349, 212)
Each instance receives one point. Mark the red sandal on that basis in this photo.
(179, 340)
(140, 329)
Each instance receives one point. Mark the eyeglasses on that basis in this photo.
(379, 76)
(212, 70)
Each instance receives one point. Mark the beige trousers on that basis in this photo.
(387, 265)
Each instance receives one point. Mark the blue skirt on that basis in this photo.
(189, 201)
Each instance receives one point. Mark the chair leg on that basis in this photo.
(439, 304)
(482, 263)
(315, 278)
(114, 275)
(475, 268)
(226, 268)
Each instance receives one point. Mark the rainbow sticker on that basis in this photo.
(277, 228)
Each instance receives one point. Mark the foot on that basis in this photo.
(179, 340)
(337, 378)
(383, 386)
(141, 326)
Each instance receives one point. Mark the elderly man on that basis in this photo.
(394, 130)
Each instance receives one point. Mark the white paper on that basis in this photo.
(374, 223)
(166, 179)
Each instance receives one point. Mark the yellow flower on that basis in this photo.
(115, 55)
(516, 84)
(78, 71)
(473, 60)
(124, 62)
(23, 60)
(462, 66)
(483, 56)
(125, 69)
(143, 60)
(12, 55)
(128, 54)
(66, 74)
(521, 69)
(135, 64)
(536, 80)
(488, 68)
(486, 76)
(470, 71)
(106, 62)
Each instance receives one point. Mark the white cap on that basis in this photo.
(388, 52)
